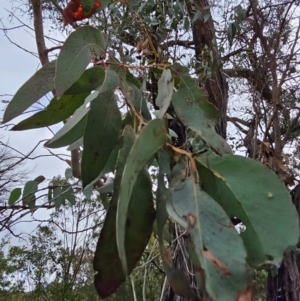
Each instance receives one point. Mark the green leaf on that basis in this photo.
(36, 87)
(186, 23)
(206, 17)
(68, 173)
(87, 5)
(72, 131)
(39, 179)
(101, 135)
(28, 197)
(162, 194)
(140, 218)
(215, 241)
(197, 16)
(165, 92)
(14, 196)
(109, 167)
(195, 111)
(248, 190)
(56, 111)
(231, 33)
(74, 128)
(132, 90)
(90, 80)
(68, 194)
(58, 198)
(77, 52)
(151, 139)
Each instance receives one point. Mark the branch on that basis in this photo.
(39, 31)
(24, 207)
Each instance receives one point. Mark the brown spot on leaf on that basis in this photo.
(217, 262)
(191, 219)
(244, 295)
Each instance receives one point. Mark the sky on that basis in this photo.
(16, 67)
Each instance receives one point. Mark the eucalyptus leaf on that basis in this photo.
(165, 92)
(28, 197)
(56, 111)
(36, 87)
(77, 52)
(140, 217)
(250, 191)
(102, 132)
(150, 140)
(195, 111)
(215, 241)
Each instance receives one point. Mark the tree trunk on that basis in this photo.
(216, 86)
(285, 286)
(217, 91)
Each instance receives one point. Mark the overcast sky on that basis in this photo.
(16, 67)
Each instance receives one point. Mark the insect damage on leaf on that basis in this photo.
(75, 11)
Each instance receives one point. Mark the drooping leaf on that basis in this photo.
(162, 193)
(218, 246)
(56, 111)
(68, 194)
(77, 52)
(165, 92)
(109, 167)
(28, 197)
(132, 90)
(74, 128)
(150, 140)
(195, 111)
(248, 190)
(14, 196)
(72, 131)
(90, 80)
(36, 87)
(101, 135)
(231, 32)
(58, 198)
(140, 218)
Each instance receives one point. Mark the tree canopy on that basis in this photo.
(182, 121)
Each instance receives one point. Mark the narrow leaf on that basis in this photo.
(165, 92)
(90, 80)
(28, 196)
(55, 112)
(150, 140)
(77, 52)
(72, 131)
(36, 87)
(140, 218)
(195, 112)
(101, 135)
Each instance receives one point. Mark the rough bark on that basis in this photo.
(217, 88)
(285, 286)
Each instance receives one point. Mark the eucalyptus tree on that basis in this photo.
(158, 94)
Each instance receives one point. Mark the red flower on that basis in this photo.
(76, 12)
